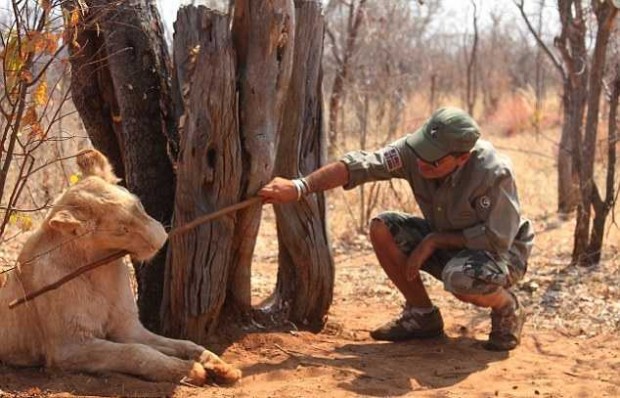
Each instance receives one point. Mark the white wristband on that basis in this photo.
(298, 187)
(306, 185)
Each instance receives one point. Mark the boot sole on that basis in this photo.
(410, 336)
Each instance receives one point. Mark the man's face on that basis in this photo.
(441, 168)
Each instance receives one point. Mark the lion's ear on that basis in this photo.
(93, 163)
(64, 221)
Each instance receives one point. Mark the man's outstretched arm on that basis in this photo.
(282, 190)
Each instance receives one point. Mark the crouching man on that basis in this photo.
(472, 236)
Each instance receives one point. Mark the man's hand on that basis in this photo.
(419, 255)
(426, 248)
(278, 190)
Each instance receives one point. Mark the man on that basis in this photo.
(472, 236)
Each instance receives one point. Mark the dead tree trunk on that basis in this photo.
(605, 15)
(572, 66)
(356, 16)
(123, 96)
(471, 87)
(603, 206)
(208, 174)
(305, 282)
(263, 36)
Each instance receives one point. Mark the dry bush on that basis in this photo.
(514, 114)
(38, 127)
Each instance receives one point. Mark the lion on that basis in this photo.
(91, 324)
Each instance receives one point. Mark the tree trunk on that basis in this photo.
(133, 85)
(471, 90)
(568, 178)
(606, 15)
(602, 207)
(305, 282)
(572, 46)
(263, 36)
(208, 174)
(356, 16)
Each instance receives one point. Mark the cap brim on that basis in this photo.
(424, 147)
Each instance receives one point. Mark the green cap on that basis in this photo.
(449, 130)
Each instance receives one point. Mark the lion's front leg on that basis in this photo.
(97, 355)
(221, 371)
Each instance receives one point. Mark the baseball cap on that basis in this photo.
(447, 131)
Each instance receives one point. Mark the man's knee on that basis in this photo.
(465, 287)
(378, 231)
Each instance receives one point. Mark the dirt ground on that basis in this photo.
(570, 347)
(554, 360)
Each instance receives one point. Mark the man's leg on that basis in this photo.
(420, 319)
(394, 261)
(477, 278)
(495, 301)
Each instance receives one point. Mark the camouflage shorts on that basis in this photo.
(464, 271)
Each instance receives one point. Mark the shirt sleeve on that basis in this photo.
(383, 164)
(499, 208)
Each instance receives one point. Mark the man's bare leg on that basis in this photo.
(507, 318)
(393, 261)
(420, 319)
(496, 301)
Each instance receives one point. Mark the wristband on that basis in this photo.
(306, 185)
(299, 187)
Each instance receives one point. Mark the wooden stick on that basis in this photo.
(112, 257)
(215, 214)
(120, 254)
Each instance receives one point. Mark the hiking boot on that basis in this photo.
(506, 328)
(411, 325)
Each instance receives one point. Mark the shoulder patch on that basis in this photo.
(392, 159)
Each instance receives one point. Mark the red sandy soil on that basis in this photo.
(343, 361)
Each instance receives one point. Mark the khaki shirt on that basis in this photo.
(479, 199)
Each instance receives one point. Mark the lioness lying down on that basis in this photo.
(91, 323)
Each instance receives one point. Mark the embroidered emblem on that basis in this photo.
(485, 202)
(392, 160)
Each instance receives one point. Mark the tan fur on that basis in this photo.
(91, 323)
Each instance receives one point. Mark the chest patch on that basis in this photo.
(484, 202)
(392, 159)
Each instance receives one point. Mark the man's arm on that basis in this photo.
(432, 242)
(282, 190)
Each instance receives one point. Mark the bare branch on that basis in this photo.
(554, 60)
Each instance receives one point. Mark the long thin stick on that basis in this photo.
(215, 214)
(120, 254)
(112, 257)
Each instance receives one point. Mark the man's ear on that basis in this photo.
(64, 221)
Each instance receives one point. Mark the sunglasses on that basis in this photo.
(435, 163)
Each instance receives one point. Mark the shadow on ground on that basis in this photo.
(31, 382)
(401, 367)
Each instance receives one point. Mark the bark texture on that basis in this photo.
(306, 270)
(123, 96)
(606, 16)
(208, 174)
(263, 35)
